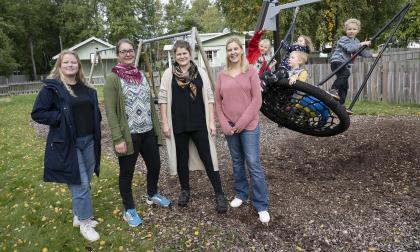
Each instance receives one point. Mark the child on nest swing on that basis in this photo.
(302, 44)
(309, 104)
(346, 46)
(259, 52)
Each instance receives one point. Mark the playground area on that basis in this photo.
(357, 191)
(339, 121)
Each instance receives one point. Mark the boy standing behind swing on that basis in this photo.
(346, 46)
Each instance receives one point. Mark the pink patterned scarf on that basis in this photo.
(128, 73)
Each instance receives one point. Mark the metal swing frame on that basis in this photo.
(194, 39)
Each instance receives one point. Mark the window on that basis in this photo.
(92, 58)
(212, 55)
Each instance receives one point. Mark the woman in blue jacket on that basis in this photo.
(72, 153)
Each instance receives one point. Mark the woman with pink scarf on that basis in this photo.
(135, 130)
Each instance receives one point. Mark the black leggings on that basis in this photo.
(146, 145)
(201, 141)
(341, 84)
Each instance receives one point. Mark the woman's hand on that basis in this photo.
(236, 130)
(121, 148)
(212, 128)
(166, 130)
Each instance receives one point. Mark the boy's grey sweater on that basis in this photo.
(345, 48)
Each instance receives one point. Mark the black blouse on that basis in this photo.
(188, 114)
(82, 108)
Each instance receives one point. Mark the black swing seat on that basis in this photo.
(302, 107)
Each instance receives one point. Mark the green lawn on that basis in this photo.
(36, 216)
(385, 109)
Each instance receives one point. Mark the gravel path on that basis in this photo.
(358, 191)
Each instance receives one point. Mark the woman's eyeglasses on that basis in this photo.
(126, 51)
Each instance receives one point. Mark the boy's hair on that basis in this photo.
(352, 21)
(308, 43)
(302, 56)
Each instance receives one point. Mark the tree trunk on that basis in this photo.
(31, 46)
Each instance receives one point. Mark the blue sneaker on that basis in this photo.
(131, 216)
(158, 200)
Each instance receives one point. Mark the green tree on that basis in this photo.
(122, 21)
(410, 27)
(79, 20)
(7, 61)
(150, 17)
(240, 15)
(324, 21)
(175, 11)
(34, 33)
(212, 20)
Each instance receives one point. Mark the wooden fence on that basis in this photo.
(20, 88)
(396, 78)
(391, 81)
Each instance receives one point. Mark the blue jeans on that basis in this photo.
(81, 198)
(245, 149)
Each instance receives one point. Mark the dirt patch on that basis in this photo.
(356, 191)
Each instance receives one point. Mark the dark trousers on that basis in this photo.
(146, 145)
(341, 84)
(201, 141)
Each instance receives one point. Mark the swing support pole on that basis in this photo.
(402, 15)
(289, 31)
(95, 56)
(373, 38)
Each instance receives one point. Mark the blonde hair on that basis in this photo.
(244, 62)
(58, 75)
(308, 43)
(302, 56)
(262, 42)
(352, 21)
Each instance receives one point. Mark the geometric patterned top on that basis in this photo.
(137, 105)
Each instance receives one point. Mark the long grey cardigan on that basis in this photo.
(165, 96)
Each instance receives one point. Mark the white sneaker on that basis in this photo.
(76, 222)
(236, 202)
(88, 232)
(264, 216)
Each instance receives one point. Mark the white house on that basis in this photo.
(214, 46)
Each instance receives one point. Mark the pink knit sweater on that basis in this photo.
(238, 100)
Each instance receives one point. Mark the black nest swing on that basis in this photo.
(306, 108)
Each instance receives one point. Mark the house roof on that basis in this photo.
(85, 42)
(222, 35)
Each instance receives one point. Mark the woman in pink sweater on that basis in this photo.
(238, 101)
